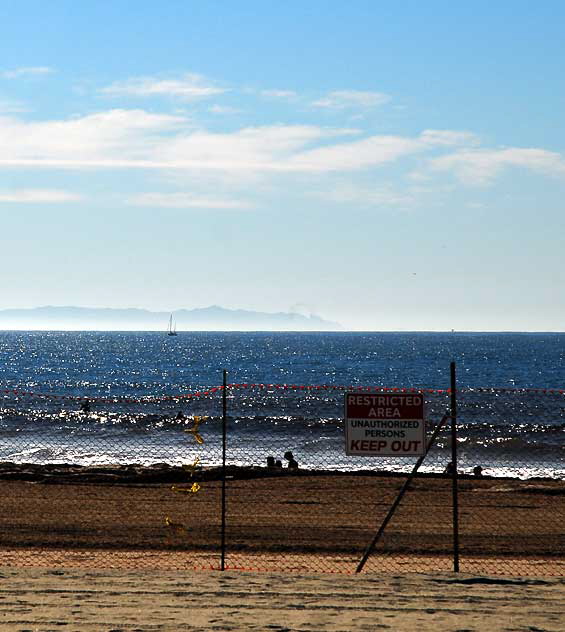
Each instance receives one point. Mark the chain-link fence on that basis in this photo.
(512, 512)
(114, 482)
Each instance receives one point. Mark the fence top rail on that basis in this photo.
(149, 399)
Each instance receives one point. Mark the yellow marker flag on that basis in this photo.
(197, 438)
(191, 467)
(176, 527)
(194, 430)
(192, 490)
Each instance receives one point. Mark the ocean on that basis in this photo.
(144, 390)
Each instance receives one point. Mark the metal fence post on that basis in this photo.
(224, 442)
(454, 474)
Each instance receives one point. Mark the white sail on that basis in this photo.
(172, 329)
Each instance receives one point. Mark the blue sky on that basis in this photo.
(390, 166)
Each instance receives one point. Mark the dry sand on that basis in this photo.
(42, 600)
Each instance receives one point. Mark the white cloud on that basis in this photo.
(443, 137)
(185, 200)
(482, 166)
(38, 196)
(189, 87)
(278, 94)
(374, 150)
(361, 196)
(143, 140)
(223, 109)
(23, 72)
(92, 140)
(268, 147)
(342, 99)
(359, 154)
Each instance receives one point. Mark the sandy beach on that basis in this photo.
(105, 601)
(309, 522)
(90, 549)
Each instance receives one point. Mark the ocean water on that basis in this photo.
(287, 394)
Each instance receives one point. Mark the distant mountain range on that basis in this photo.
(212, 318)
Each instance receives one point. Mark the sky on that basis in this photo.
(388, 166)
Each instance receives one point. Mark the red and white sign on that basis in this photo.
(384, 424)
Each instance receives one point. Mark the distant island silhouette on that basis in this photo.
(213, 318)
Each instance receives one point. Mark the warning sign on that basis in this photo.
(384, 424)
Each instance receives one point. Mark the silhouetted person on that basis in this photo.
(448, 469)
(278, 463)
(85, 406)
(292, 462)
(478, 471)
(270, 462)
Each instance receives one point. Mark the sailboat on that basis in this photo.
(172, 329)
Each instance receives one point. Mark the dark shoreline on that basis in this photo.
(159, 473)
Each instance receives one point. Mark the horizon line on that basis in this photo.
(298, 331)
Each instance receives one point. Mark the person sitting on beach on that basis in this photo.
(448, 469)
(270, 462)
(478, 471)
(85, 406)
(292, 462)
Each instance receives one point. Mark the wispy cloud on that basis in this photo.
(188, 87)
(365, 197)
(374, 150)
(449, 138)
(38, 196)
(85, 141)
(223, 109)
(185, 200)
(480, 167)
(342, 99)
(26, 72)
(139, 139)
(278, 94)
(358, 154)
(269, 147)
(118, 139)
